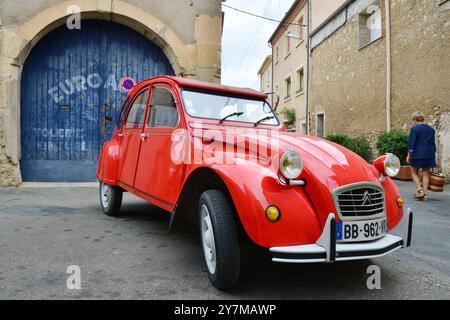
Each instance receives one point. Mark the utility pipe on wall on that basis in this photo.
(388, 64)
(272, 89)
(308, 66)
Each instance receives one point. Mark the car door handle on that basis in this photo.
(121, 134)
(143, 136)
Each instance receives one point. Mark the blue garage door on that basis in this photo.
(71, 90)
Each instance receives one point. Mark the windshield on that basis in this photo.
(211, 106)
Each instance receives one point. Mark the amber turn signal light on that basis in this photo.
(400, 202)
(273, 214)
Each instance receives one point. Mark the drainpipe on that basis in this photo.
(271, 73)
(388, 65)
(308, 65)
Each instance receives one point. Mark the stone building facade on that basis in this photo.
(289, 55)
(265, 75)
(374, 63)
(289, 69)
(187, 32)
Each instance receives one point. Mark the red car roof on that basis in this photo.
(207, 86)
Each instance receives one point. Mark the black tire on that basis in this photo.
(114, 202)
(225, 236)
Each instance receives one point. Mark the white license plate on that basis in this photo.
(353, 231)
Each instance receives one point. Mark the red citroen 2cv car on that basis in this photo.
(218, 155)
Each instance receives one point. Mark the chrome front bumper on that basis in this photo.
(327, 249)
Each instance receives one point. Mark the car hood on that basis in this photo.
(331, 164)
(327, 166)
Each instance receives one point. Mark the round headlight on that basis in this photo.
(291, 164)
(391, 165)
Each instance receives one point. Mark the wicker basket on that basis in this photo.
(437, 181)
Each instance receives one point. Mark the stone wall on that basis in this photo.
(421, 68)
(349, 83)
(189, 33)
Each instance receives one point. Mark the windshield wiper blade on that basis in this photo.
(264, 119)
(231, 115)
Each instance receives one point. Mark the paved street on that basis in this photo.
(45, 230)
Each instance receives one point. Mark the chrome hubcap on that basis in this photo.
(209, 246)
(106, 191)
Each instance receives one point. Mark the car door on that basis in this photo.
(160, 171)
(130, 138)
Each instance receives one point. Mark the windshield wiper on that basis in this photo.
(264, 119)
(237, 114)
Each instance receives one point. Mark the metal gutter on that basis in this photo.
(388, 65)
(308, 66)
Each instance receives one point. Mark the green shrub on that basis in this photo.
(289, 114)
(337, 138)
(359, 146)
(395, 142)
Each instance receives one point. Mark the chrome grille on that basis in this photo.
(359, 201)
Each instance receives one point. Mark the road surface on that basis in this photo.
(46, 230)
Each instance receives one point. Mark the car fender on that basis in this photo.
(394, 214)
(261, 187)
(108, 162)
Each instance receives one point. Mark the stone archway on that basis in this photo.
(18, 42)
(27, 35)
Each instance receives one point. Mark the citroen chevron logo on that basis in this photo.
(366, 199)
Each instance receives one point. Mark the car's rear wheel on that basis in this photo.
(219, 239)
(110, 199)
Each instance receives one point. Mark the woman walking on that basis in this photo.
(421, 154)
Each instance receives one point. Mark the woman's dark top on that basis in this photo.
(422, 144)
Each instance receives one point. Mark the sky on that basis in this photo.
(245, 39)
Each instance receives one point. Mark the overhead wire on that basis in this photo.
(255, 37)
(262, 17)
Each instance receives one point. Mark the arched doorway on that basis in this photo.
(70, 90)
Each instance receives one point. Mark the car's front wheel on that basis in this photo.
(110, 199)
(219, 239)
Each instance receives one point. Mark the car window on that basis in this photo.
(163, 109)
(214, 106)
(135, 118)
(122, 113)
